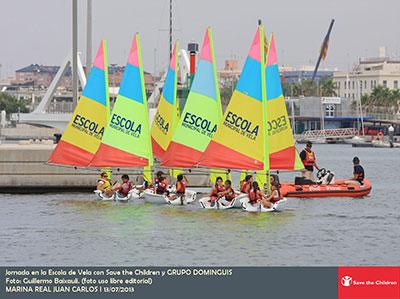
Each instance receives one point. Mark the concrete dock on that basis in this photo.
(23, 169)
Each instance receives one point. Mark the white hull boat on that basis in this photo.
(133, 194)
(276, 207)
(151, 197)
(223, 204)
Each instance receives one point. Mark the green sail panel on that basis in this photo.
(126, 141)
(201, 115)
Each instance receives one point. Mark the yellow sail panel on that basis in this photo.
(283, 153)
(167, 115)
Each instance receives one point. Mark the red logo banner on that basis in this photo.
(369, 282)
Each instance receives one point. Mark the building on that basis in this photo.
(229, 75)
(39, 76)
(367, 74)
(292, 75)
(317, 113)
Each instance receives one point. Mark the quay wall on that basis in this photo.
(23, 169)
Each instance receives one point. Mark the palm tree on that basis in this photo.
(327, 87)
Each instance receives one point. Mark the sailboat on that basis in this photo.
(282, 152)
(84, 132)
(165, 121)
(239, 142)
(201, 114)
(126, 141)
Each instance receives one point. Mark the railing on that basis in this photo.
(331, 133)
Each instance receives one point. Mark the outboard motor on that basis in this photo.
(325, 177)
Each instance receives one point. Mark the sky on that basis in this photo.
(40, 31)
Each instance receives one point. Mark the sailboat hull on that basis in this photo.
(258, 208)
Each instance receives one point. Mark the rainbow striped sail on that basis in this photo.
(84, 133)
(126, 140)
(239, 141)
(283, 154)
(167, 115)
(201, 115)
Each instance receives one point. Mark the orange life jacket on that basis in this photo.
(310, 158)
(180, 187)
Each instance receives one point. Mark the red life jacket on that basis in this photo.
(125, 188)
(244, 186)
(216, 190)
(180, 187)
(310, 158)
(162, 187)
(254, 195)
(277, 195)
(231, 195)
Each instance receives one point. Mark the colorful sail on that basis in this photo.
(167, 115)
(84, 133)
(238, 142)
(126, 141)
(283, 153)
(201, 115)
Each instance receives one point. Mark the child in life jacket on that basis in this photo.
(180, 185)
(255, 194)
(228, 195)
(126, 186)
(104, 185)
(162, 186)
(216, 191)
(275, 195)
(245, 185)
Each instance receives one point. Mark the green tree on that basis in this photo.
(11, 104)
(327, 87)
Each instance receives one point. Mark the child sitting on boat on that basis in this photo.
(104, 185)
(216, 191)
(245, 185)
(255, 194)
(162, 187)
(275, 195)
(124, 188)
(228, 195)
(181, 183)
(358, 173)
(180, 187)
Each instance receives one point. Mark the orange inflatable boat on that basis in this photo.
(337, 189)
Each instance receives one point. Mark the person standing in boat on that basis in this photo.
(245, 185)
(309, 161)
(358, 173)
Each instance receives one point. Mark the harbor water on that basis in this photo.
(73, 229)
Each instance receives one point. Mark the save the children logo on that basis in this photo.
(346, 281)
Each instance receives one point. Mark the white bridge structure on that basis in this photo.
(41, 116)
(341, 133)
